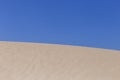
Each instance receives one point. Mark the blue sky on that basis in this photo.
(92, 23)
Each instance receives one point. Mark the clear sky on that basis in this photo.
(92, 23)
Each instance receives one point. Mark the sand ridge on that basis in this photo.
(33, 61)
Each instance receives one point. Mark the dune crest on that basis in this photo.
(32, 61)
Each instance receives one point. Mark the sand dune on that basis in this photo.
(32, 61)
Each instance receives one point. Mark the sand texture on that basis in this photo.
(33, 61)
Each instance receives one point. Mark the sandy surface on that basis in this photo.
(32, 61)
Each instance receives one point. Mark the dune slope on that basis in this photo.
(32, 61)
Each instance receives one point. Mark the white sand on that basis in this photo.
(32, 61)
